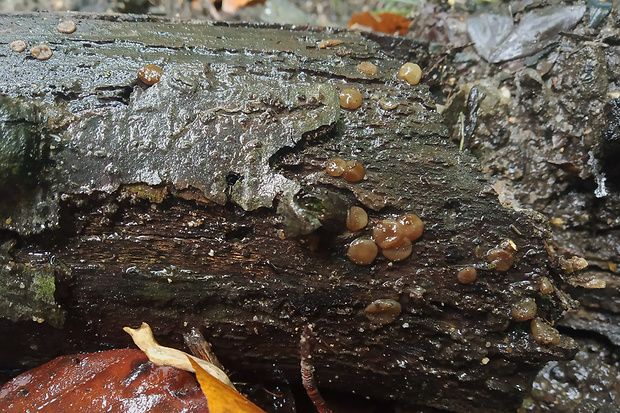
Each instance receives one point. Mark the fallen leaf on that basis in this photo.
(166, 356)
(220, 397)
(110, 381)
(231, 6)
(497, 39)
(385, 22)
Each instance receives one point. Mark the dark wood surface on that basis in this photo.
(203, 201)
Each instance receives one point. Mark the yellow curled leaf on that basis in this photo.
(220, 397)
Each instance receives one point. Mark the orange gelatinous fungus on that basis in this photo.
(357, 218)
(544, 333)
(363, 251)
(367, 68)
(400, 252)
(41, 52)
(413, 226)
(336, 166)
(67, 27)
(501, 259)
(388, 233)
(383, 311)
(150, 74)
(323, 44)
(467, 275)
(18, 46)
(350, 99)
(354, 171)
(411, 73)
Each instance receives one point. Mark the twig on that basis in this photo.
(215, 15)
(200, 347)
(307, 371)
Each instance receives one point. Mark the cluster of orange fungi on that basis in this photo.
(393, 236)
(352, 171)
(352, 98)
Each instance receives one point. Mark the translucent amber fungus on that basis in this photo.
(388, 233)
(357, 218)
(524, 309)
(18, 46)
(354, 171)
(411, 73)
(400, 252)
(508, 245)
(150, 74)
(363, 251)
(367, 68)
(500, 259)
(412, 225)
(544, 333)
(41, 52)
(388, 103)
(66, 26)
(323, 44)
(335, 166)
(467, 275)
(383, 311)
(350, 99)
(545, 286)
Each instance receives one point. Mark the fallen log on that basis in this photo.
(203, 200)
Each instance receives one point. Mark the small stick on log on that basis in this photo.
(200, 347)
(307, 371)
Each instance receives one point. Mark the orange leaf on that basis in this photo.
(220, 397)
(385, 22)
(231, 6)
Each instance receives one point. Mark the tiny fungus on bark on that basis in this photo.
(388, 103)
(354, 171)
(545, 286)
(18, 46)
(412, 225)
(350, 99)
(335, 167)
(67, 27)
(363, 251)
(388, 233)
(501, 258)
(467, 275)
(323, 44)
(411, 73)
(367, 68)
(150, 74)
(524, 310)
(41, 52)
(357, 218)
(383, 311)
(543, 332)
(394, 236)
(400, 252)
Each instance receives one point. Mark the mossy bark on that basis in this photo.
(202, 201)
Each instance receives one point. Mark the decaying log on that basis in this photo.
(202, 201)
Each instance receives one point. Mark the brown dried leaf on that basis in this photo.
(231, 6)
(385, 22)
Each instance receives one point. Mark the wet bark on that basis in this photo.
(202, 201)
